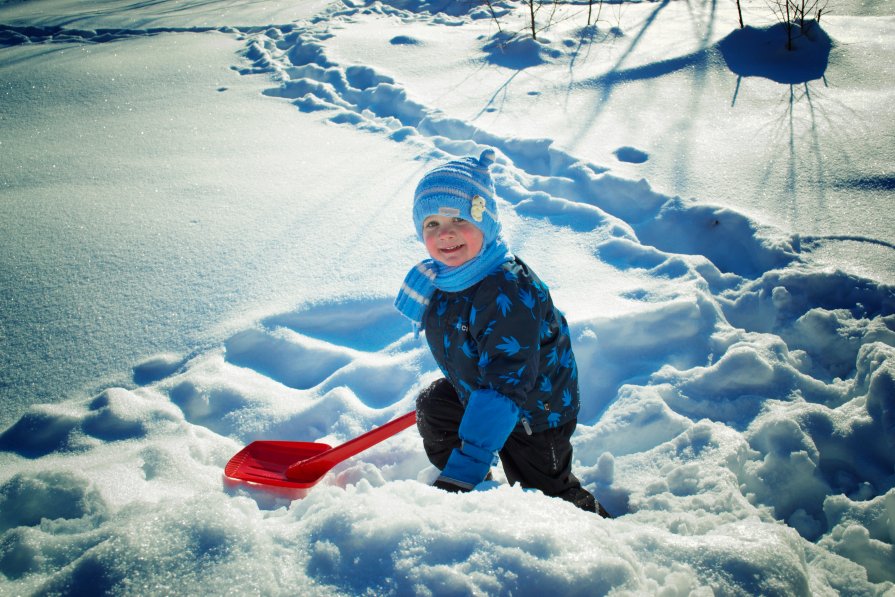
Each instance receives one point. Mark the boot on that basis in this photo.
(585, 500)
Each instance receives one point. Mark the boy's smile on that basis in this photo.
(452, 241)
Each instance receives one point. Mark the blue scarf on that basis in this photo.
(421, 282)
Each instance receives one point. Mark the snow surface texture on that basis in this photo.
(738, 397)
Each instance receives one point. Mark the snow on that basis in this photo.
(204, 218)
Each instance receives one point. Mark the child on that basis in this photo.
(511, 384)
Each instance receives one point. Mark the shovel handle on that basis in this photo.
(317, 465)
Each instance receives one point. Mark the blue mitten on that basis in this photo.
(487, 423)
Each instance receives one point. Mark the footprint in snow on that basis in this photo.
(631, 155)
(357, 344)
(404, 40)
(329, 359)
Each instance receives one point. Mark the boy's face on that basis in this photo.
(452, 241)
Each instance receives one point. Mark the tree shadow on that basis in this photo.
(501, 91)
(794, 138)
(761, 52)
(617, 76)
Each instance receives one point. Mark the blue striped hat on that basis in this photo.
(460, 188)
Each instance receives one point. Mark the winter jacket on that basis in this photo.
(504, 334)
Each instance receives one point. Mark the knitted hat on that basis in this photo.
(460, 188)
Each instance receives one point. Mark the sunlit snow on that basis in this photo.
(205, 215)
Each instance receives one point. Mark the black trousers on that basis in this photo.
(540, 461)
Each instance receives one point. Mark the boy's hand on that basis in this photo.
(467, 467)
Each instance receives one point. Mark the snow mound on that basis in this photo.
(519, 51)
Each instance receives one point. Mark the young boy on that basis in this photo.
(511, 383)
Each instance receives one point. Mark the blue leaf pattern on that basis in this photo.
(514, 378)
(528, 300)
(567, 397)
(511, 346)
(552, 357)
(542, 381)
(504, 304)
(565, 360)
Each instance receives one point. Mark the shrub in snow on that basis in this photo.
(797, 16)
(518, 52)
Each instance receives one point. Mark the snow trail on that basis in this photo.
(533, 174)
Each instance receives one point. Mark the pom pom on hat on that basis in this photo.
(460, 188)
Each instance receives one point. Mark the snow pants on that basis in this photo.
(540, 461)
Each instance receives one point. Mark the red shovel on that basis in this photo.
(301, 465)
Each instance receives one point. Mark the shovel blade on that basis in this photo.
(266, 463)
(300, 465)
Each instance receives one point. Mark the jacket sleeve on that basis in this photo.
(506, 320)
(488, 420)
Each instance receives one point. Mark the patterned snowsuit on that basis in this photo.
(505, 334)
